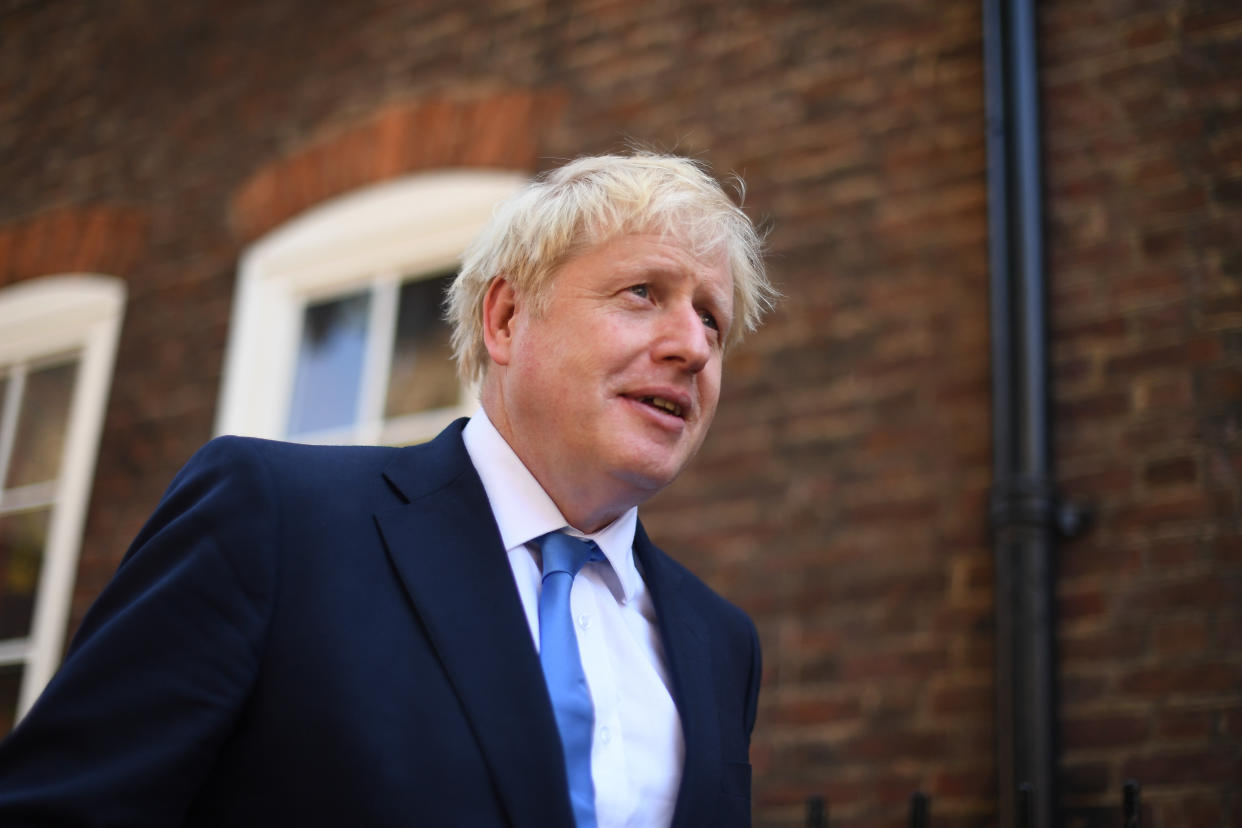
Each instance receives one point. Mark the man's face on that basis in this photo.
(610, 391)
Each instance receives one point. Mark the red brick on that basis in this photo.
(1159, 322)
(1094, 484)
(1192, 809)
(1223, 382)
(1198, 591)
(1164, 356)
(1079, 778)
(1147, 33)
(1229, 722)
(1192, 767)
(1175, 552)
(1080, 333)
(1105, 406)
(1228, 637)
(100, 239)
(1077, 688)
(1096, 646)
(1150, 514)
(1227, 549)
(438, 133)
(878, 665)
(1181, 636)
(1185, 726)
(892, 743)
(961, 698)
(1080, 604)
(814, 711)
(1206, 22)
(1142, 434)
(1111, 731)
(972, 783)
(1162, 394)
(1205, 679)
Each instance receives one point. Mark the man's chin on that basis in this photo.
(648, 476)
(650, 461)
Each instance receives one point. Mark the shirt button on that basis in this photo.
(584, 621)
(605, 735)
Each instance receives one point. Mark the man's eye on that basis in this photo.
(640, 290)
(709, 320)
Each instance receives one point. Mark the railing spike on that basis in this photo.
(1131, 808)
(816, 812)
(919, 808)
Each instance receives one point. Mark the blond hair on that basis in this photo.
(590, 201)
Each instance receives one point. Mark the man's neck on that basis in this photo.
(587, 506)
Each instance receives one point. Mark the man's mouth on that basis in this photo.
(663, 404)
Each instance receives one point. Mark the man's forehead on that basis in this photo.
(700, 255)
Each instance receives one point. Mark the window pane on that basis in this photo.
(423, 376)
(10, 687)
(22, 537)
(329, 372)
(41, 421)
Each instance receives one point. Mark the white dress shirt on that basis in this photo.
(637, 750)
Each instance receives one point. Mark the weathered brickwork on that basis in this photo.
(841, 497)
(494, 131)
(1143, 118)
(87, 240)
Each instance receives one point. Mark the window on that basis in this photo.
(56, 353)
(336, 334)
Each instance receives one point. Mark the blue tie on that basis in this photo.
(563, 556)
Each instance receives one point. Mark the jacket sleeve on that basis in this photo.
(129, 727)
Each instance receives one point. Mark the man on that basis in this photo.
(336, 636)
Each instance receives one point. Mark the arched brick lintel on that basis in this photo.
(500, 131)
(98, 239)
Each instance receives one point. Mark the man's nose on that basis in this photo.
(683, 338)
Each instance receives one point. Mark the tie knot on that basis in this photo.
(564, 553)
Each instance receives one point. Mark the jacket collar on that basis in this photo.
(686, 648)
(446, 549)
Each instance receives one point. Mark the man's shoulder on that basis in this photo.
(311, 467)
(279, 453)
(312, 457)
(231, 456)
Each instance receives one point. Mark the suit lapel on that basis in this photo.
(447, 552)
(685, 638)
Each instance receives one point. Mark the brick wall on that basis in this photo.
(840, 495)
(1144, 161)
(97, 239)
(840, 498)
(498, 130)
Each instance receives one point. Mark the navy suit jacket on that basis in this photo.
(307, 636)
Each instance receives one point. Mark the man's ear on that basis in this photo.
(499, 310)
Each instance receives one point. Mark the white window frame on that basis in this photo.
(45, 317)
(374, 238)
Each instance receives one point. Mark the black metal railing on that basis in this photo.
(920, 808)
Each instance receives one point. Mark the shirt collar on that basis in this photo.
(524, 511)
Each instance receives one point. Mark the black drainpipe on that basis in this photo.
(1025, 513)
